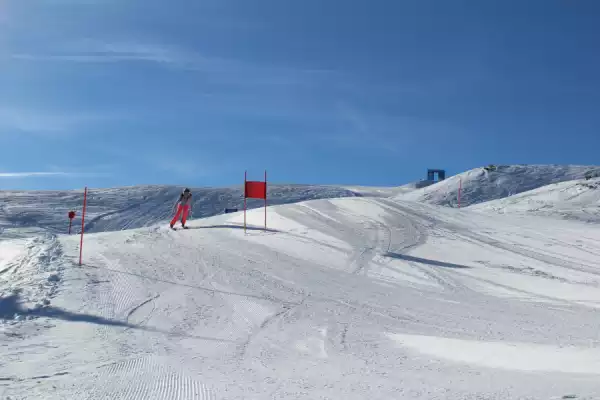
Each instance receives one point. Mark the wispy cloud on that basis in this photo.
(178, 58)
(28, 174)
(92, 51)
(43, 122)
(97, 52)
(47, 174)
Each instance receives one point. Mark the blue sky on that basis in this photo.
(193, 92)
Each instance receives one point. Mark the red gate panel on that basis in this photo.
(256, 190)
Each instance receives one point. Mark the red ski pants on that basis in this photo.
(181, 210)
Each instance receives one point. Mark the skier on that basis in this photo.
(184, 205)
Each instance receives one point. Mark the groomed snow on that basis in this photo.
(510, 356)
(355, 298)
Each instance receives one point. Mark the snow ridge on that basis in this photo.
(575, 200)
(481, 185)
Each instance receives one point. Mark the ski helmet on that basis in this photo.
(186, 190)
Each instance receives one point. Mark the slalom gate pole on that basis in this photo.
(82, 225)
(265, 199)
(70, 224)
(245, 184)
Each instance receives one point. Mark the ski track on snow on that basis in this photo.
(352, 298)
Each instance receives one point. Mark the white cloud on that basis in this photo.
(29, 174)
(48, 174)
(243, 72)
(91, 51)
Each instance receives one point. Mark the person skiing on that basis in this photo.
(184, 206)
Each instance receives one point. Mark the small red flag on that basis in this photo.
(256, 190)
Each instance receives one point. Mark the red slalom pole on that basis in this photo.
(70, 223)
(245, 184)
(265, 199)
(82, 225)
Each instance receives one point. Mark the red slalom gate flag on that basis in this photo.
(256, 190)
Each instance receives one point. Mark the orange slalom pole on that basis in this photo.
(82, 226)
(245, 184)
(265, 199)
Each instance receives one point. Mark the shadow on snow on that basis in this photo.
(425, 261)
(232, 226)
(10, 308)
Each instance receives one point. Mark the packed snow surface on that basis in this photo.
(354, 298)
(480, 185)
(578, 199)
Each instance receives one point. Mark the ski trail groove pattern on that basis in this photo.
(139, 306)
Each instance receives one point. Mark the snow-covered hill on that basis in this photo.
(354, 298)
(480, 185)
(384, 191)
(578, 199)
(26, 213)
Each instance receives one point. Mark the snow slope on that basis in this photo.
(479, 185)
(385, 191)
(355, 298)
(578, 199)
(26, 213)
